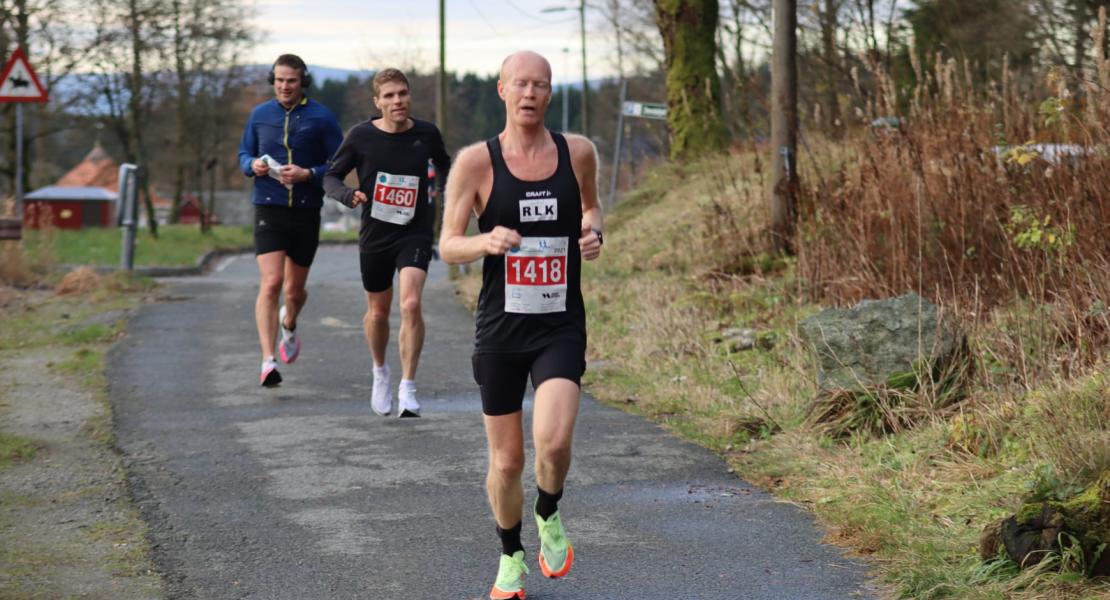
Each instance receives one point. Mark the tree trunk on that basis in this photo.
(829, 26)
(1080, 21)
(729, 88)
(784, 125)
(688, 28)
(183, 104)
(134, 108)
(742, 76)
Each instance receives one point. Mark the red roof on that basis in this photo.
(97, 169)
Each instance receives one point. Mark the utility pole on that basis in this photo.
(566, 90)
(441, 77)
(784, 125)
(585, 80)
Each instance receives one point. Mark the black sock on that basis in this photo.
(510, 540)
(547, 504)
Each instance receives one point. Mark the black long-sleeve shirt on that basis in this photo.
(393, 173)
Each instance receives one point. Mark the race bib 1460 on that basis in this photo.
(536, 276)
(395, 197)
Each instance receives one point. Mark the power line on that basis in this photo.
(483, 16)
(529, 15)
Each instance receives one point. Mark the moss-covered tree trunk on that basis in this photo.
(693, 90)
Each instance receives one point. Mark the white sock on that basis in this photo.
(285, 333)
(407, 388)
(381, 372)
(269, 362)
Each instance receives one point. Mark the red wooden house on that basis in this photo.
(83, 197)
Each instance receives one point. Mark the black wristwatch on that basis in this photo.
(600, 240)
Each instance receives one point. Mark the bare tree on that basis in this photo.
(828, 13)
(207, 36)
(143, 26)
(643, 48)
(55, 37)
(743, 38)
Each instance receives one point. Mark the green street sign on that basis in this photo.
(645, 110)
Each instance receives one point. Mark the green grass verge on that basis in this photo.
(175, 246)
(47, 319)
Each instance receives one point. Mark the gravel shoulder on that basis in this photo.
(69, 527)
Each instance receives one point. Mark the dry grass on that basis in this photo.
(933, 208)
(78, 281)
(929, 209)
(22, 266)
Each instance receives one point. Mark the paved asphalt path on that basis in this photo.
(302, 493)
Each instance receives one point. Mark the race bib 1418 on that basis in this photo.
(536, 276)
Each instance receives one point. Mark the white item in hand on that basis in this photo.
(275, 169)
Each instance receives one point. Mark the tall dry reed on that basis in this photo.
(958, 205)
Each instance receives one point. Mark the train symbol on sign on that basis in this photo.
(19, 82)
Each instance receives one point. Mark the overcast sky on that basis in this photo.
(361, 34)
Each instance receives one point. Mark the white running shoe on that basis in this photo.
(269, 376)
(290, 345)
(381, 395)
(407, 406)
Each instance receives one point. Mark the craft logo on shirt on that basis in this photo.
(539, 209)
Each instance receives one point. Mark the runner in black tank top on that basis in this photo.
(535, 194)
(532, 297)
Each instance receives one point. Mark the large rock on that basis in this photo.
(881, 344)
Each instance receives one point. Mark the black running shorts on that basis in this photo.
(502, 376)
(294, 231)
(378, 267)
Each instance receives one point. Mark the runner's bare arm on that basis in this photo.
(463, 196)
(583, 155)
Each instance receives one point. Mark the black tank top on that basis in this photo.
(532, 295)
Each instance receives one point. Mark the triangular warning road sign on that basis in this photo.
(18, 82)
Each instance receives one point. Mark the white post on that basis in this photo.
(126, 205)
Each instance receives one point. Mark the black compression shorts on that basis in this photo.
(294, 231)
(502, 376)
(378, 267)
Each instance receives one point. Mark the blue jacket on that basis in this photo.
(306, 135)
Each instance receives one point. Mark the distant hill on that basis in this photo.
(321, 74)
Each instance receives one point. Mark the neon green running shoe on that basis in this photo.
(556, 553)
(510, 578)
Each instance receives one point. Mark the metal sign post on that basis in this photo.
(126, 208)
(617, 148)
(19, 160)
(643, 110)
(18, 83)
